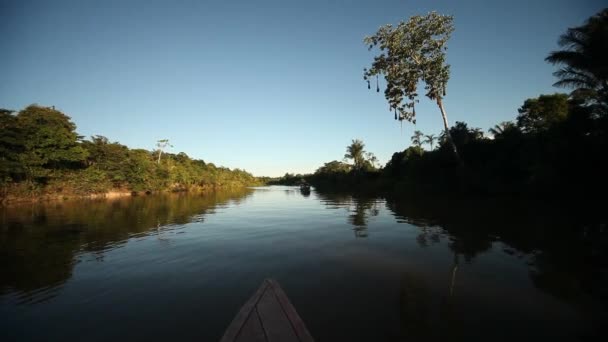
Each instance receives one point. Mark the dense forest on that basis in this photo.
(556, 143)
(41, 155)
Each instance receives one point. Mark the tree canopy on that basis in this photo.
(583, 61)
(411, 53)
(49, 140)
(41, 153)
(539, 114)
(356, 152)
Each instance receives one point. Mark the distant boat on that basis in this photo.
(305, 187)
(267, 316)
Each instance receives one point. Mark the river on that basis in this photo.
(357, 268)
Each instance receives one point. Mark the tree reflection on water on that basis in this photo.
(566, 248)
(360, 209)
(39, 243)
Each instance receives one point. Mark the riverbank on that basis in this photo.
(18, 195)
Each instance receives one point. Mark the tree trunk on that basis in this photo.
(447, 128)
(160, 152)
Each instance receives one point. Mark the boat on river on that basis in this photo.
(267, 316)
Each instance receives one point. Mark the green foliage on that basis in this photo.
(334, 167)
(461, 135)
(417, 138)
(412, 52)
(356, 152)
(539, 114)
(11, 145)
(583, 62)
(504, 130)
(362, 160)
(430, 139)
(49, 141)
(287, 179)
(39, 146)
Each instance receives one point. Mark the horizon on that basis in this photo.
(280, 91)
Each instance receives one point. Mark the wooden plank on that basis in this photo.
(241, 318)
(252, 330)
(297, 323)
(277, 326)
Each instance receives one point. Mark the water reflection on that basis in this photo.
(360, 209)
(424, 314)
(566, 247)
(427, 268)
(40, 243)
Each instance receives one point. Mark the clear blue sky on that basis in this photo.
(268, 86)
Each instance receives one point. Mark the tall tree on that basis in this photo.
(417, 138)
(539, 114)
(50, 141)
(356, 152)
(162, 144)
(503, 129)
(430, 139)
(413, 52)
(371, 159)
(461, 134)
(584, 60)
(11, 145)
(333, 167)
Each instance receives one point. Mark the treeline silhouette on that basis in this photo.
(41, 154)
(556, 144)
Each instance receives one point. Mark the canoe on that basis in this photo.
(267, 316)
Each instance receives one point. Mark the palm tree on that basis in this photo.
(502, 128)
(583, 59)
(430, 139)
(355, 151)
(417, 138)
(372, 159)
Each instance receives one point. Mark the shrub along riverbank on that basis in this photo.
(42, 157)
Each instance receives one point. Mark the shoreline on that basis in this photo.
(12, 200)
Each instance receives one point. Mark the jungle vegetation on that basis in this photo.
(556, 143)
(42, 154)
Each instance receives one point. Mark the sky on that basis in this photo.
(266, 86)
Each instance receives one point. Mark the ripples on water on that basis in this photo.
(358, 268)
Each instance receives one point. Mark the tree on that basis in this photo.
(430, 139)
(411, 53)
(49, 141)
(111, 158)
(417, 138)
(333, 167)
(503, 129)
(539, 114)
(371, 159)
(356, 152)
(461, 134)
(11, 145)
(162, 144)
(584, 60)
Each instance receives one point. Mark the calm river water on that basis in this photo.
(357, 268)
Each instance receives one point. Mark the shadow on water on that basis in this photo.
(564, 247)
(360, 209)
(39, 243)
(567, 246)
(412, 268)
